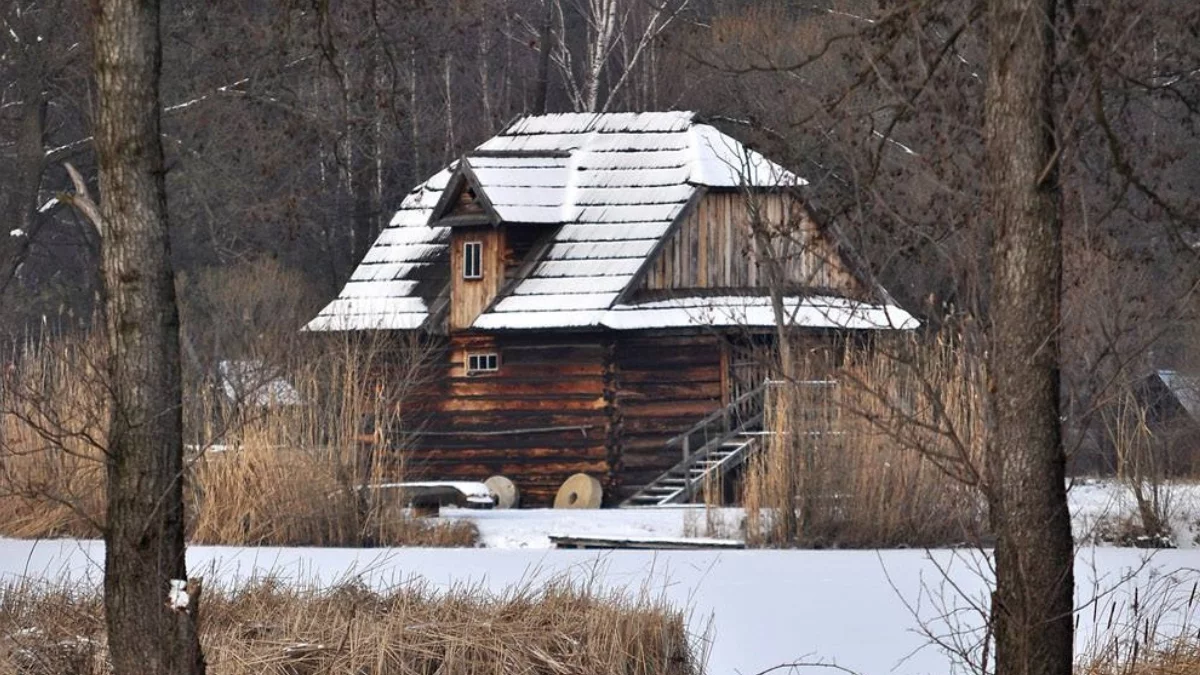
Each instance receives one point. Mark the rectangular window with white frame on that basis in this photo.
(472, 265)
(488, 362)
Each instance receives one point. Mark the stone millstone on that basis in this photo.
(507, 494)
(580, 491)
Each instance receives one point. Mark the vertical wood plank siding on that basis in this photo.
(714, 249)
(469, 297)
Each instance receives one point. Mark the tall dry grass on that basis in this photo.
(880, 451)
(269, 627)
(1146, 626)
(53, 417)
(277, 450)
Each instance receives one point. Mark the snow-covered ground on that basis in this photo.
(1096, 506)
(859, 609)
(531, 528)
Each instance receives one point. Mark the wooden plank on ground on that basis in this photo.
(643, 543)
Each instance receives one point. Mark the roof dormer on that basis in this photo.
(464, 202)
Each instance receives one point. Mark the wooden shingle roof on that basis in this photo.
(612, 184)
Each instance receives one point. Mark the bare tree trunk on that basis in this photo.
(413, 116)
(546, 47)
(26, 182)
(359, 159)
(1033, 600)
(148, 631)
(448, 82)
(485, 85)
(769, 257)
(602, 21)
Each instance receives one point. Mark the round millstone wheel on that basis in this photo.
(580, 491)
(507, 494)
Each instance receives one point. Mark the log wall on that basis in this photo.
(544, 416)
(599, 404)
(665, 385)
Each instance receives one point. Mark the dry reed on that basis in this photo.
(1149, 630)
(276, 451)
(270, 627)
(52, 422)
(880, 451)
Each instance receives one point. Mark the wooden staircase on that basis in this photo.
(709, 450)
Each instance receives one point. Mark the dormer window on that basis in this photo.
(472, 260)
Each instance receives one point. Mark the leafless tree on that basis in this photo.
(151, 605)
(617, 37)
(1033, 600)
(920, 112)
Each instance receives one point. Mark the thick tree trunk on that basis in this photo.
(1033, 600)
(144, 537)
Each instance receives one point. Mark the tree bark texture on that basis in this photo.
(1033, 601)
(144, 537)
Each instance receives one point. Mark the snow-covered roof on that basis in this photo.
(1185, 388)
(253, 383)
(612, 183)
(403, 272)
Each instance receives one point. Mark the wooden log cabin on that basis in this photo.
(600, 286)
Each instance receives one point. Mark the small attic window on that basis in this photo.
(472, 263)
(483, 363)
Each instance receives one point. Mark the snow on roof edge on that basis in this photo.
(712, 312)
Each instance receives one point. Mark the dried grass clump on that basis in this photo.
(259, 495)
(273, 628)
(1150, 630)
(1180, 657)
(880, 451)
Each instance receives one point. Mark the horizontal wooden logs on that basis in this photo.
(562, 404)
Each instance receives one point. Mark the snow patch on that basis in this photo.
(177, 598)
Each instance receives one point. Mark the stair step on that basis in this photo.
(719, 453)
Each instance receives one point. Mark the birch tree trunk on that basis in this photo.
(144, 537)
(602, 19)
(1033, 601)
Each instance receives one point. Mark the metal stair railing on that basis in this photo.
(713, 446)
